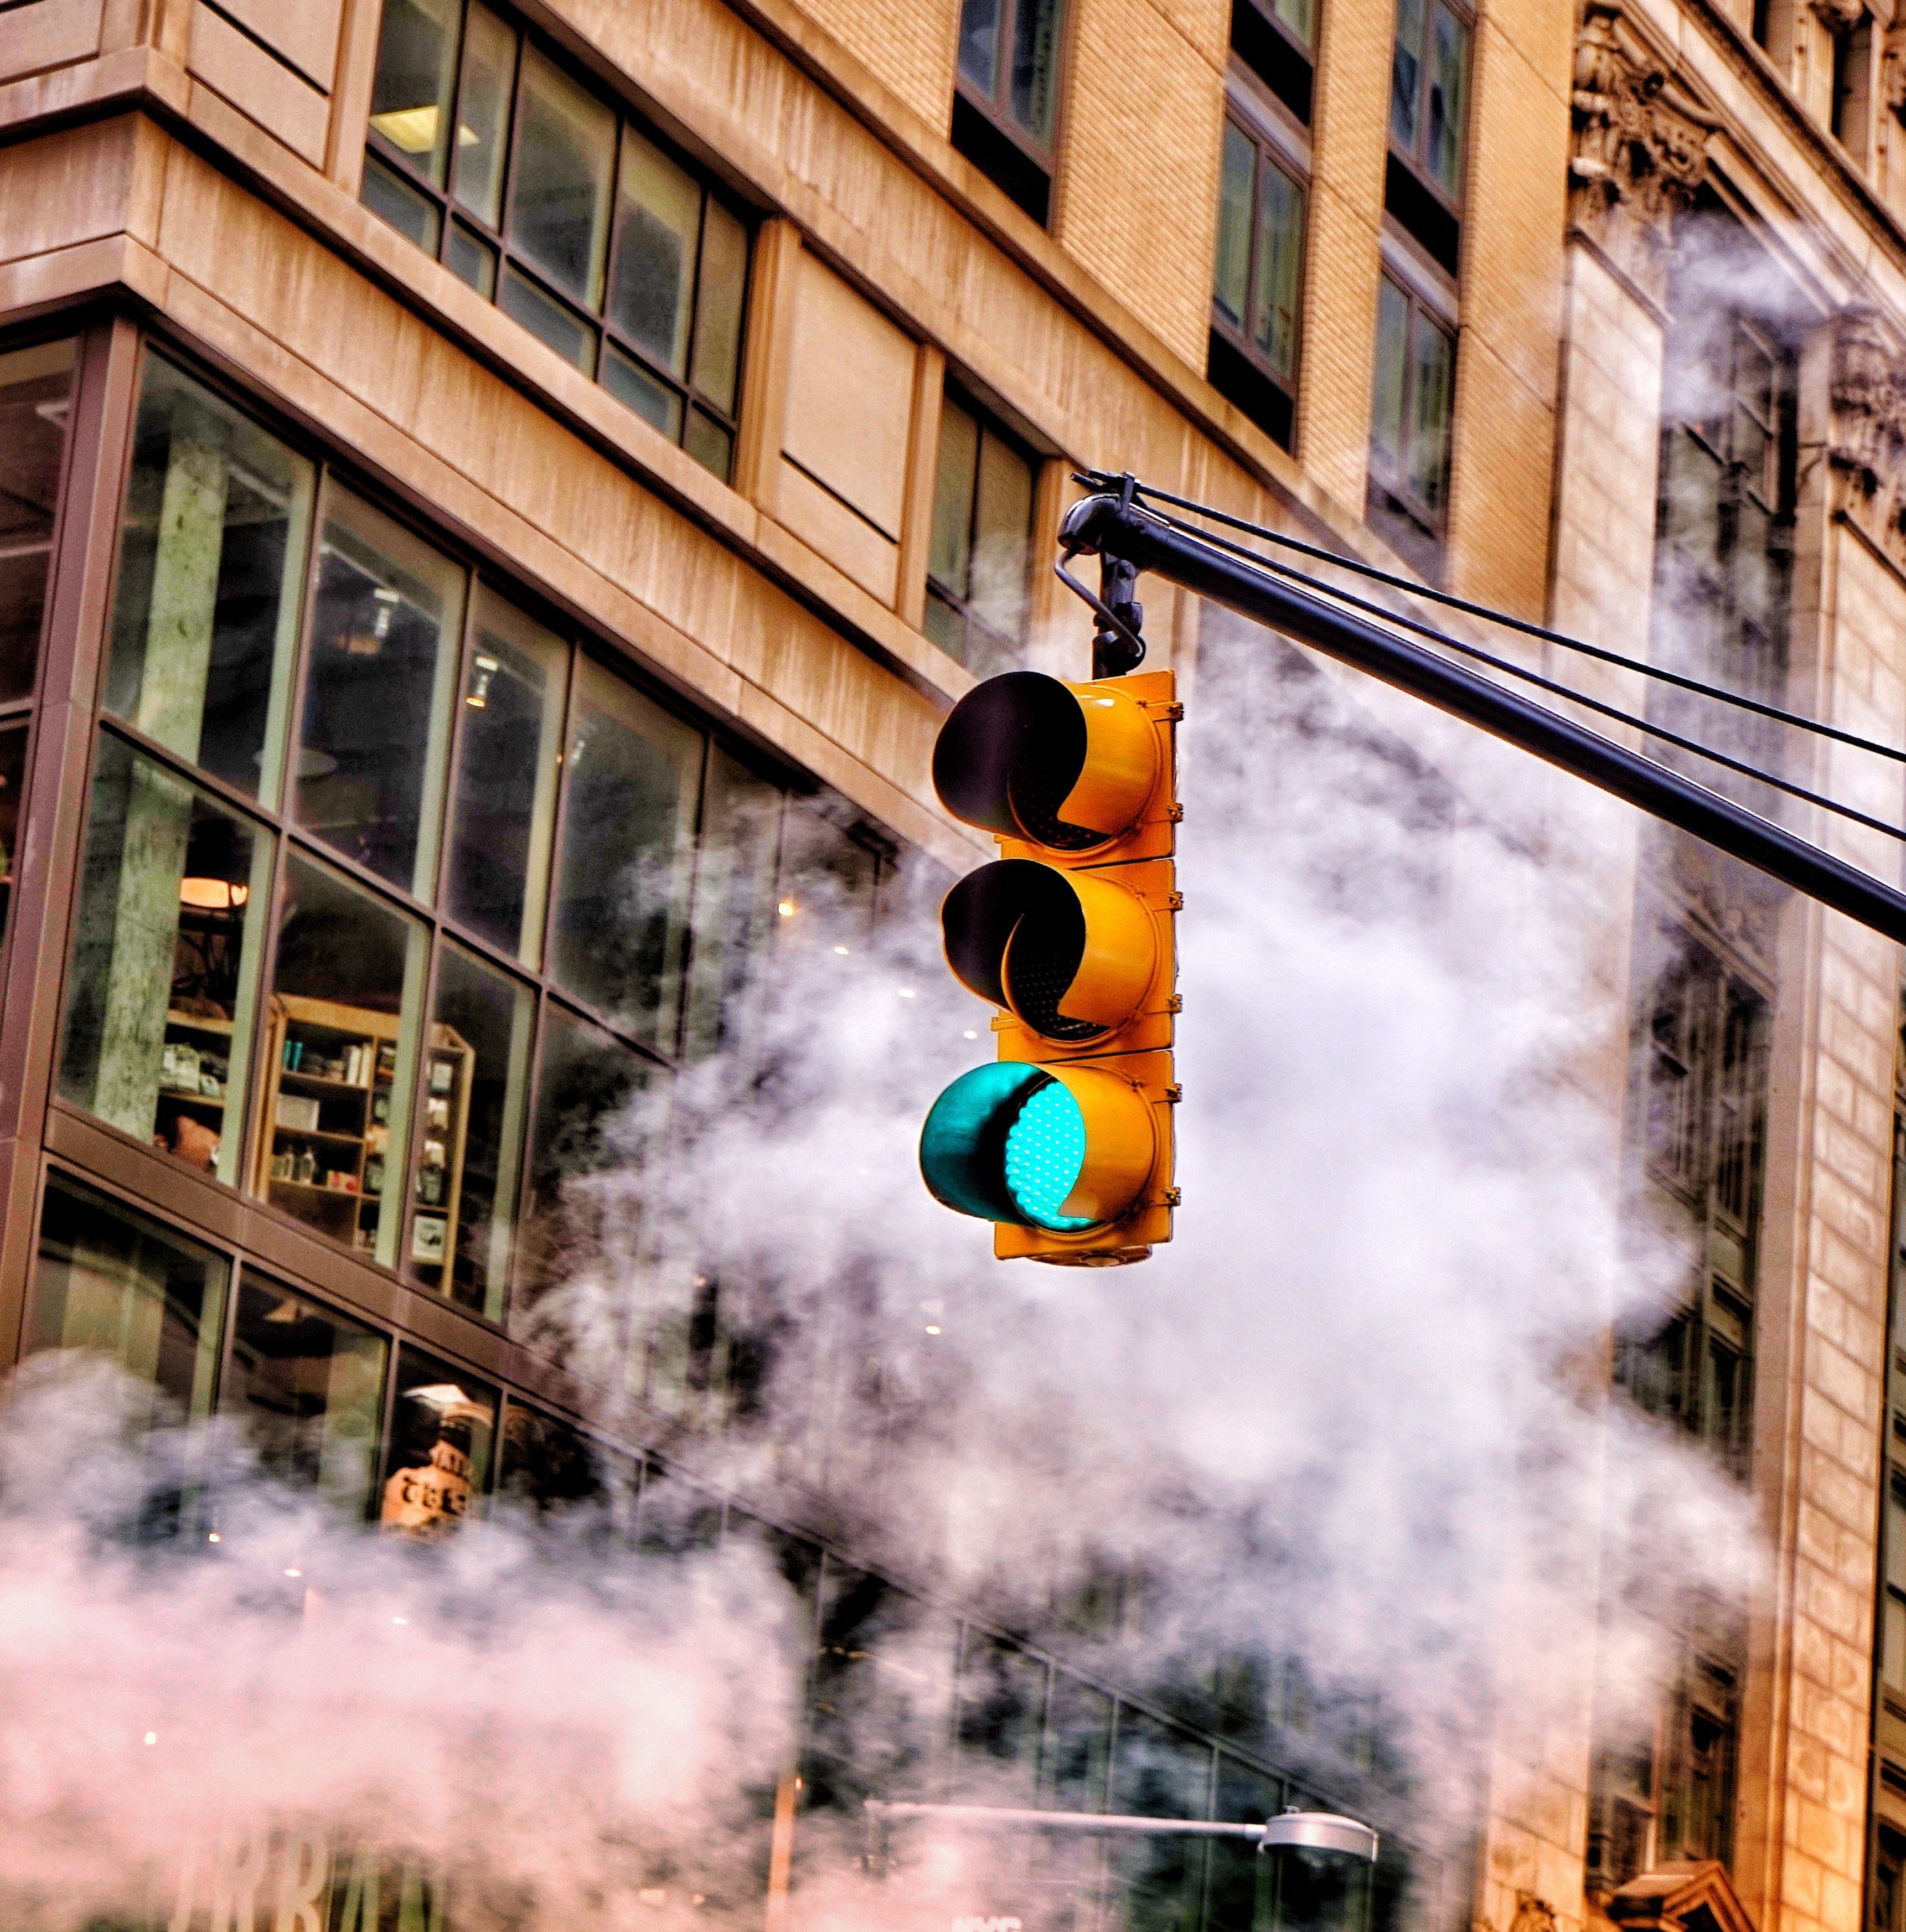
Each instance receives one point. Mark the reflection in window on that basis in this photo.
(383, 656)
(1160, 1772)
(476, 1102)
(548, 1465)
(1007, 104)
(977, 566)
(1254, 303)
(340, 1060)
(621, 925)
(164, 980)
(112, 1280)
(611, 251)
(12, 791)
(503, 820)
(1241, 1876)
(1000, 1721)
(584, 1084)
(212, 556)
(36, 392)
(736, 905)
(308, 1385)
(442, 1424)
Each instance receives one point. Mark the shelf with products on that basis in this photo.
(195, 1072)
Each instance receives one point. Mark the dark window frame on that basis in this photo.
(1232, 343)
(1419, 529)
(1271, 52)
(452, 217)
(985, 131)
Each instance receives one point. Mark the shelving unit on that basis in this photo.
(194, 1080)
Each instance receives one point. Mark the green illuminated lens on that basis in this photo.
(1044, 1150)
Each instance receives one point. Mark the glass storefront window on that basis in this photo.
(622, 890)
(340, 1061)
(309, 1386)
(504, 821)
(211, 558)
(162, 983)
(36, 395)
(383, 654)
(443, 1422)
(547, 1465)
(735, 905)
(476, 1102)
(111, 1280)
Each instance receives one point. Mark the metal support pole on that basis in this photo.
(1109, 526)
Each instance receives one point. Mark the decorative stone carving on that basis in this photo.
(1532, 1914)
(1838, 17)
(1640, 150)
(1866, 435)
(1892, 69)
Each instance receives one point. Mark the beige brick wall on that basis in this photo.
(910, 48)
(1135, 200)
(1514, 222)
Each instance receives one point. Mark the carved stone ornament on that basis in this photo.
(1840, 16)
(1892, 68)
(1866, 439)
(1532, 1914)
(1640, 149)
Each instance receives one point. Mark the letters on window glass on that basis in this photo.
(621, 917)
(113, 1281)
(504, 820)
(308, 1385)
(442, 1422)
(470, 1140)
(163, 986)
(211, 558)
(36, 395)
(386, 629)
(340, 1060)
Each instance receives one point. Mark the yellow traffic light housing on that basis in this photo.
(1066, 1145)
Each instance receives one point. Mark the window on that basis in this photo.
(308, 1385)
(1413, 391)
(1852, 119)
(36, 390)
(981, 549)
(1429, 114)
(113, 1281)
(1005, 103)
(13, 788)
(388, 909)
(1256, 303)
(564, 212)
(443, 1422)
(1276, 40)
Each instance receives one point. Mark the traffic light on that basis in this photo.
(1065, 1144)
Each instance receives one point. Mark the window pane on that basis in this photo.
(340, 1060)
(308, 1385)
(476, 1102)
(1892, 1653)
(549, 1464)
(1432, 379)
(718, 306)
(1449, 87)
(1406, 73)
(1000, 1716)
(410, 97)
(829, 878)
(945, 624)
(36, 389)
(1280, 266)
(1386, 426)
(735, 905)
(585, 1081)
(472, 260)
(1035, 67)
(1160, 1773)
(710, 445)
(657, 225)
(483, 103)
(442, 1422)
(1002, 535)
(212, 561)
(547, 320)
(113, 1281)
(163, 984)
(630, 383)
(1239, 1886)
(502, 827)
(12, 789)
(628, 844)
(1080, 1727)
(559, 198)
(383, 661)
(410, 211)
(979, 44)
(951, 549)
(1232, 281)
(1300, 16)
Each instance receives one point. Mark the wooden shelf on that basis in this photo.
(343, 1194)
(289, 1076)
(188, 1098)
(197, 1023)
(317, 1134)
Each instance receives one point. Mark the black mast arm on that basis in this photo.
(1108, 526)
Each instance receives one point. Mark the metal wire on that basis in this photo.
(1101, 480)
